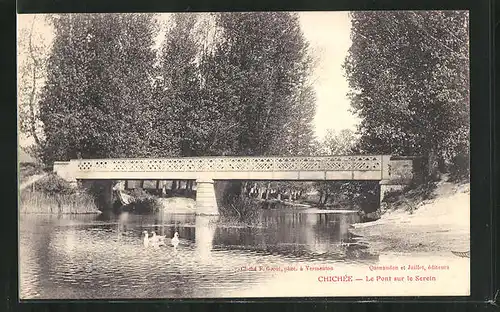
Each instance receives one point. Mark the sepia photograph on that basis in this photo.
(243, 154)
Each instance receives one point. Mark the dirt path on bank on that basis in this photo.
(437, 226)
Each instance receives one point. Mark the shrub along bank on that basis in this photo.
(52, 194)
(143, 202)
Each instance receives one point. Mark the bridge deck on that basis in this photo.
(246, 168)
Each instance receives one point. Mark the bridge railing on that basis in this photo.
(228, 164)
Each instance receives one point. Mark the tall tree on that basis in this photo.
(256, 87)
(180, 111)
(408, 72)
(342, 143)
(96, 102)
(254, 80)
(32, 55)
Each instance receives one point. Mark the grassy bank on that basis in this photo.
(41, 203)
(53, 195)
(431, 219)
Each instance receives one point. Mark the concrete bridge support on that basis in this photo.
(400, 172)
(206, 202)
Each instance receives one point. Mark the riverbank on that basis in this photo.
(49, 194)
(34, 202)
(438, 225)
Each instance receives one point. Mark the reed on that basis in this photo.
(241, 210)
(36, 202)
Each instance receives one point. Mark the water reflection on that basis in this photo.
(103, 256)
(204, 236)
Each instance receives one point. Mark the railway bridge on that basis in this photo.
(392, 172)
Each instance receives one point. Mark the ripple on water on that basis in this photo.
(98, 260)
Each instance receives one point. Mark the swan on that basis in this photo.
(344, 244)
(146, 238)
(175, 240)
(157, 240)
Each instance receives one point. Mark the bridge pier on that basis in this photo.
(206, 202)
(400, 172)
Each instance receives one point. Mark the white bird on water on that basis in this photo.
(175, 240)
(157, 240)
(345, 244)
(146, 238)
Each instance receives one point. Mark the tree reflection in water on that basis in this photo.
(103, 256)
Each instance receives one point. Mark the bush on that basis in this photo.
(409, 197)
(233, 206)
(52, 194)
(459, 169)
(241, 209)
(144, 202)
(53, 184)
(392, 196)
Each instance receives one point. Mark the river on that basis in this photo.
(103, 257)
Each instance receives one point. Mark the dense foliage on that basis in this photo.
(409, 75)
(144, 202)
(33, 53)
(109, 94)
(97, 97)
(239, 84)
(177, 91)
(241, 88)
(257, 77)
(53, 185)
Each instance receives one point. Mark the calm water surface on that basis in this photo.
(77, 257)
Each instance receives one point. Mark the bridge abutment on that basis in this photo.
(400, 172)
(206, 203)
(387, 186)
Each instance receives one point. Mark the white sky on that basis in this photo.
(329, 36)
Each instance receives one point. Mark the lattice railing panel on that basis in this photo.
(220, 164)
